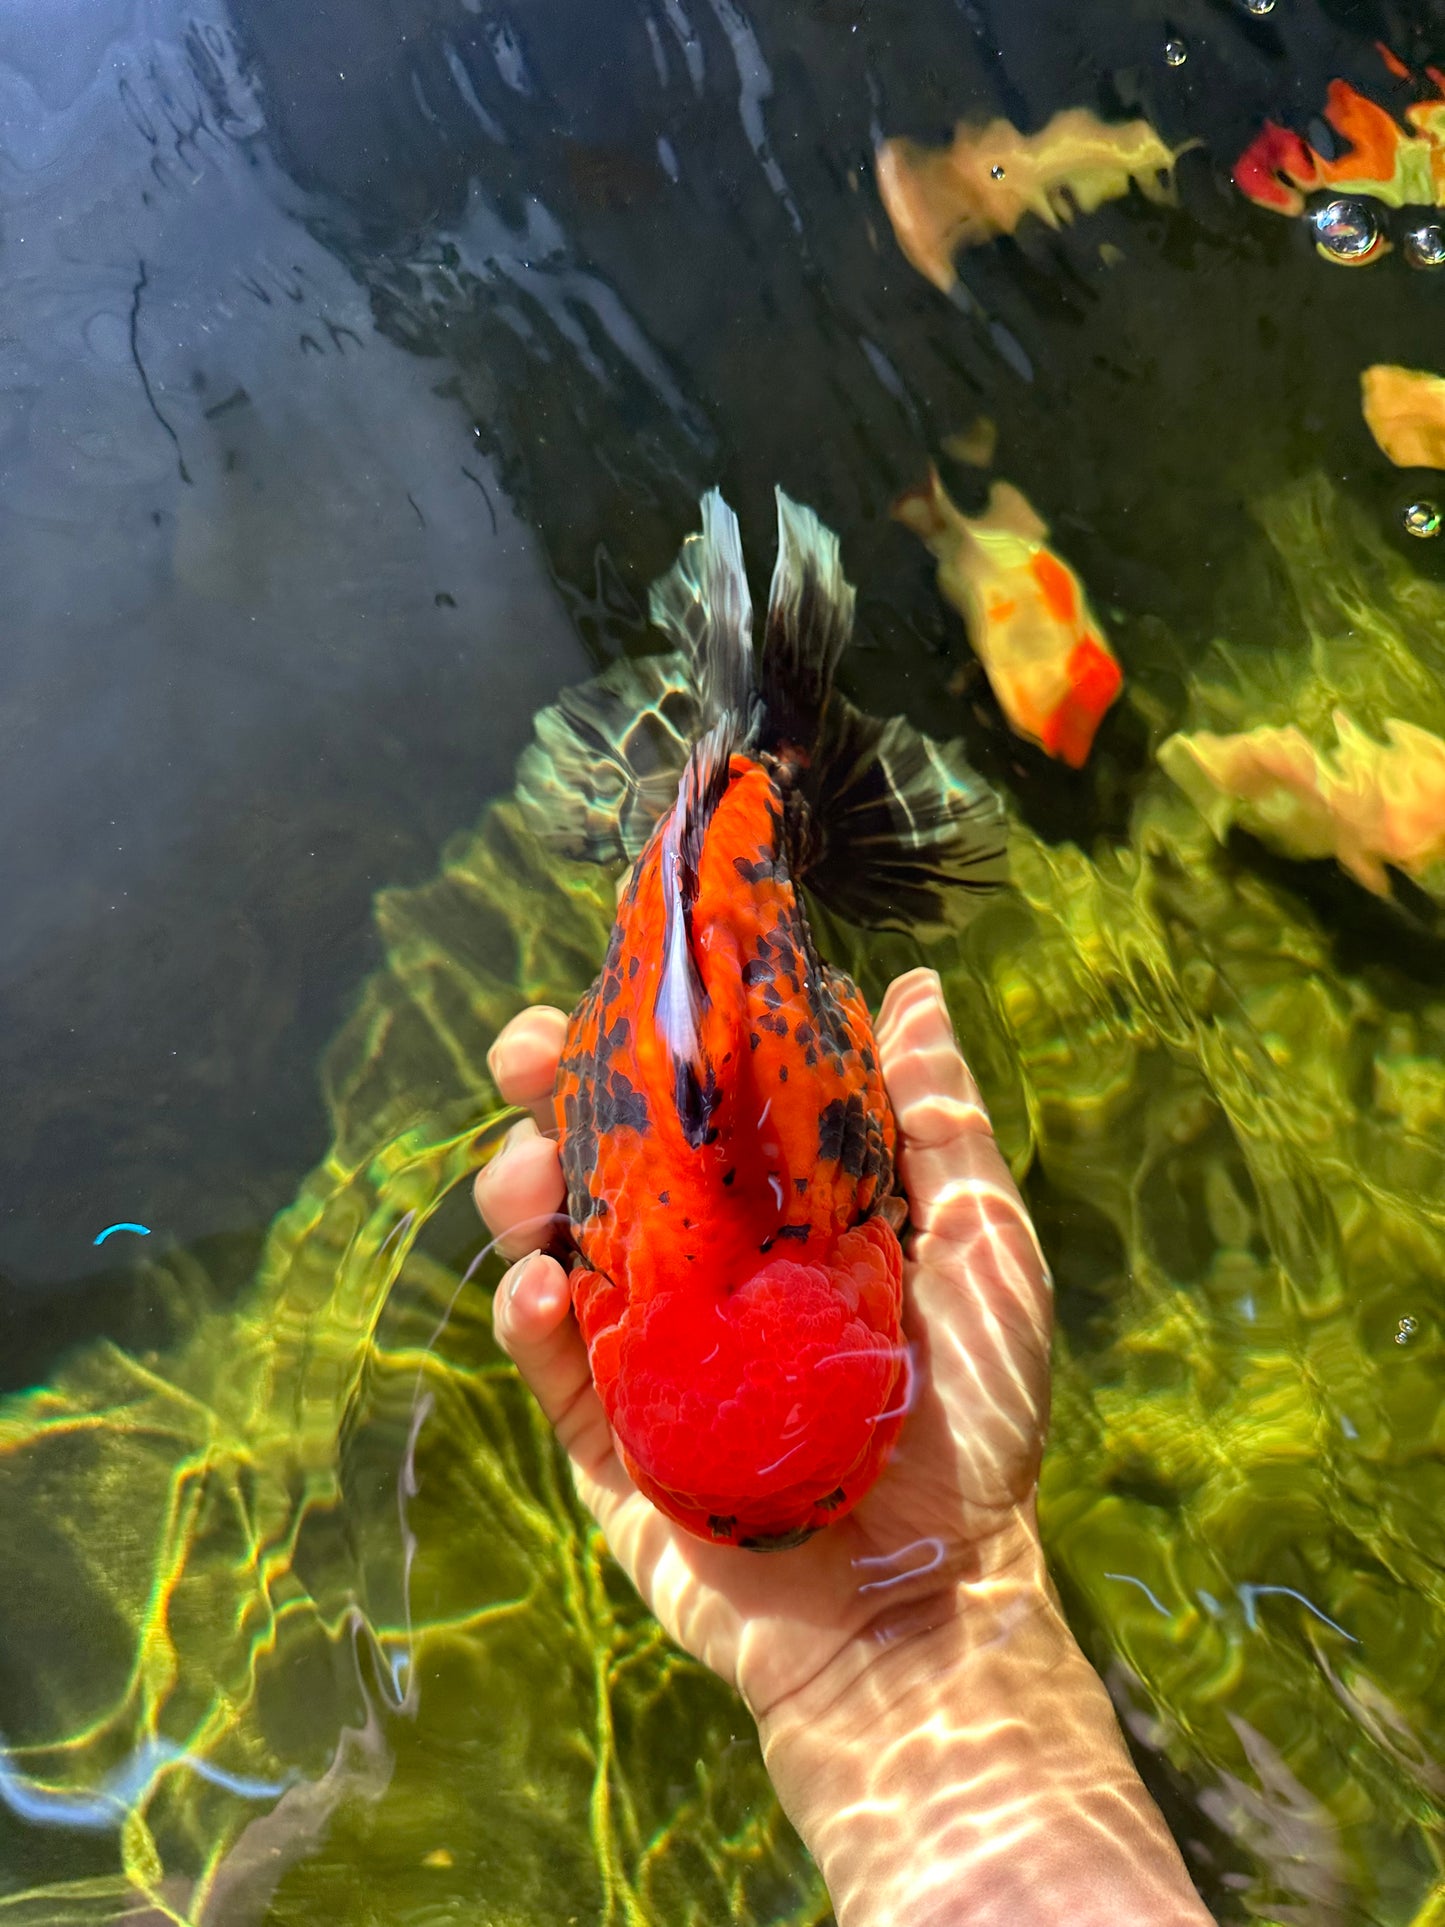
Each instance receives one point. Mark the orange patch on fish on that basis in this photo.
(1400, 163)
(1028, 619)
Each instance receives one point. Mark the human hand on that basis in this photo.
(932, 1729)
(953, 1508)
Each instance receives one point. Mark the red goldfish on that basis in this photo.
(1401, 166)
(726, 1139)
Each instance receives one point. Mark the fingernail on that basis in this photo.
(502, 1298)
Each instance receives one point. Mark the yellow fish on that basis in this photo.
(1028, 619)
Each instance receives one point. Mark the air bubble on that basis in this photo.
(1258, 7)
(996, 171)
(1422, 519)
(1424, 246)
(1406, 1330)
(1175, 53)
(1347, 230)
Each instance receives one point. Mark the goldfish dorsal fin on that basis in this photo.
(1011, 512)
(810, 618)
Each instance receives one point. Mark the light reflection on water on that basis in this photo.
(292, 321)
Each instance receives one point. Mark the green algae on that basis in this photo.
(1226, 1109)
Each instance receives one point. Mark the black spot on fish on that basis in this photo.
(771, 996)
(614, 947)
(810, 1057)
(777, 1025)
(664, 1197)
(753, 1040)
(759, 872)
(721, 1528)
(782, 1073)
(616, 1106)
(854, 1154)
(868, 1061)
(800, 1185)
(804, 1034)
(832, 1120)
(728, 1176)
(696, 1101)
(777, 1541)
(634, 964)
(799, 1231)
(597, 1207)
(611, 1040)
(687, 1224)
(757, 973)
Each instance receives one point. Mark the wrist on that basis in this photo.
(963, 1766)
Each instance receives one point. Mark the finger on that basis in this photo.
(520, 1193)
(533, 1323)
(523, 1060)
(957, 1182)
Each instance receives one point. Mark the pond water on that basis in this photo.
(360, 368)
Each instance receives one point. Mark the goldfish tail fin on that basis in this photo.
(909, 836)
(810, 618)
(896, 823)
(703, 603)
(605, 758)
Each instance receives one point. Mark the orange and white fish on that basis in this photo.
(725, 1135)
(1028, 619)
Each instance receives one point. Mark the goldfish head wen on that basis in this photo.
(800, 1353)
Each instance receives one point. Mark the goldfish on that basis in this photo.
(1028, 619)
(987, 179)
(1404, 409)
(1367, 804)
(726, 1138)
(1373, 155)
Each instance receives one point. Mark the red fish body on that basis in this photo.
(736, 1261)
(726, 1139)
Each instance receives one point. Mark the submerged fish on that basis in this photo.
(1028, 619)
(1367, 804)
(1369, 154)
(726, 1139)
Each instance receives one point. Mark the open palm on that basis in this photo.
(956, 1499)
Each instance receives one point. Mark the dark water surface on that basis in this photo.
(360, 367)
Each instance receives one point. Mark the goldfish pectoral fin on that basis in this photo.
(605, 758)
(703, 604)
(810, 619)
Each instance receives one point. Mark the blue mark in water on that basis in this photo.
(108, 1805)
(1129, 1580)
(1248, 1595)
(141, 1231)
